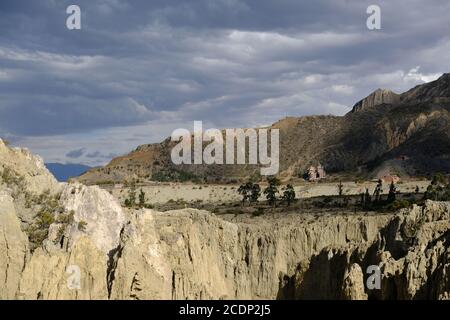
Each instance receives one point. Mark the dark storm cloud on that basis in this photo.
(74, 154)
(226, 62)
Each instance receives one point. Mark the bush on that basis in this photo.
(66, 218)
(12, 178)
(259, 211)
(327, 200)
(175, 175)
(141, 199)
(105, 182)
(82, 225)
(399, 204)
(45, 219)
(439, 189)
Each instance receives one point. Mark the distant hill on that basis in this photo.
(380, 129)
(63, 172)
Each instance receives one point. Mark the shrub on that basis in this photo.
(175, 175)
(66, 218)
(45, 219)
(82, 225)
(327, 200)
(141, 198)
(259, 211)
(399, 204)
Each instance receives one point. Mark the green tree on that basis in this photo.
(340, 188)
(438, 179)
(367, 199)
(272, 190)
(131, 200)
(255, 192)
(289, 194)
(378, 191)
(439, 189)
(245, 190)
(141, 199)
(392, 192)
(430, 193)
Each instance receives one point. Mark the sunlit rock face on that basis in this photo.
(37, 178)
(101, 213)
(13, 248)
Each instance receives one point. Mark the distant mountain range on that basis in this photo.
(63, 172)
(406, 134)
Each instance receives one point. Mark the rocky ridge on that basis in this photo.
(378, 97)
(382, 127)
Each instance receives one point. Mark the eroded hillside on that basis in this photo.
(95, 249)
(414, 125)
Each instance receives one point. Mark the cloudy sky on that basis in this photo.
(139, 69)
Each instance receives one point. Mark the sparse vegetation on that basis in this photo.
(399, 204)
(340, 188)
(82, 225)
(259, 211)
(250, 192)
(244, 191)
(141, 198)
(288, 195)
(131, 200)
(49, 211)
(175, 175)
(105, 182)
(272, 190)
(378, 191)
(12, 179)
(366, 200)
(439, 189)
(392, 192)
(255, 192)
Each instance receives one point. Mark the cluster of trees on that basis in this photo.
(250, 192)
(439, 188)
(366, 198)
(132, 201)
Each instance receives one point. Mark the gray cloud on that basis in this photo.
(135, 66)
(99, 155)
(74, 154)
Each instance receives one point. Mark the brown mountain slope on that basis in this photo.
(383, 126)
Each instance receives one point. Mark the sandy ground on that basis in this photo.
(163, 193)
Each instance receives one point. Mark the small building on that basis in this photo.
(315, 173)
(388, 179)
